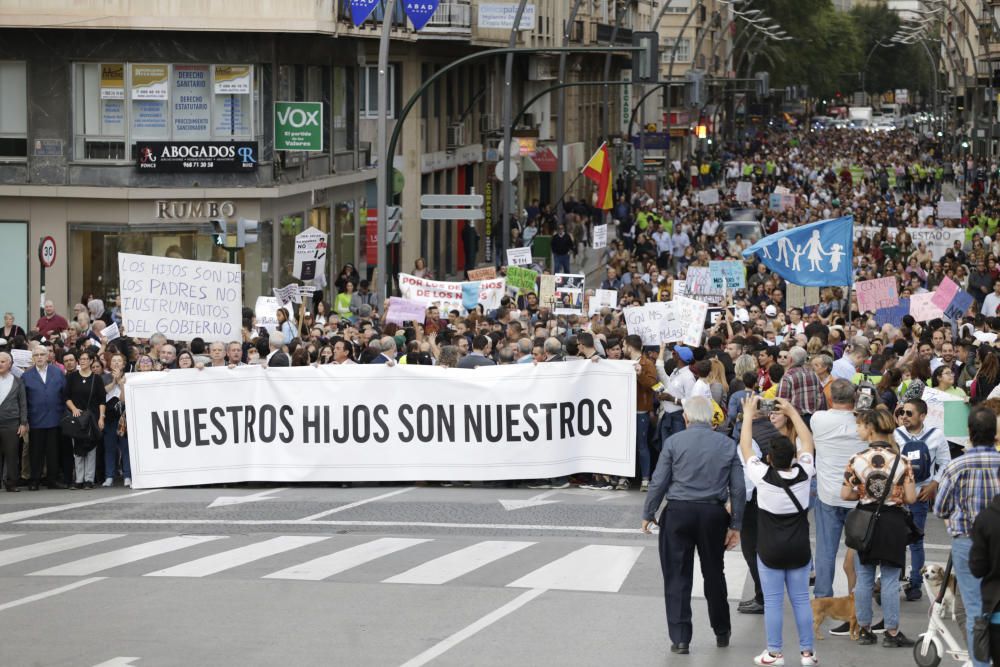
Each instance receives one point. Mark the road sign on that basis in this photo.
(500, 169)
(47, 252)
(452, 214)
(298, 126)
(451, 200)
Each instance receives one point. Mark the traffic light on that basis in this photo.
(646, 63)
(246, 232)
(219, 232)
(394, 224)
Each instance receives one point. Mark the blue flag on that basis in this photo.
(361, 10)
(470, 295)
(819, 254)
(420, 11)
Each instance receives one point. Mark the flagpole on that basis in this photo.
(569, 187)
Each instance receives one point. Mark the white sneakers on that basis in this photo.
(768, 658)
(809, 660)
(108, 482)
(128, 485)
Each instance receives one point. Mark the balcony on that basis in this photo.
(451, 18)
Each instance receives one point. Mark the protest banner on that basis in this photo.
(645, 321)
(523, 280)
(447, 295)
(699, 283)
(945, 293)
(734, 273)
(403, 310)
(948, 413)
(949, 210)
(708, 197)
(288, 294)
(744, 191)
(600, 236)
(689, 315)
(310, 253)
(875, 294)
(893, 315)
(484, 273)
(111, 332)
(378, 423)
(266, 312)
(21, 358)
(937, 240)
(181, 298)
(959, 306)
(922, 307)
(603, 298)
(569, 293)
(547, 290)
(519, 256)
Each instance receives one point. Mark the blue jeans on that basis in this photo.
(863, 593)
(642, 442)
(919, 511)
(114, 443)
(560, 263)
(968, 585)
(829, 527)
(773, 583)
(671, 423)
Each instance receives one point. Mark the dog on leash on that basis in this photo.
(933, 574)
(838, 609)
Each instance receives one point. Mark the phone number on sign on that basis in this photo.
(205, 164)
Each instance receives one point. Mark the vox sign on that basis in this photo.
(298, 126)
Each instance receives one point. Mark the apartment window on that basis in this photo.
(13, 110)
(683, 50)
(679, 7)
(343, 121)
(117, 104)
(369, 91)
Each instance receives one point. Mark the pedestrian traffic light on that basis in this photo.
(646, 63)
(219, 232)
(246, 232)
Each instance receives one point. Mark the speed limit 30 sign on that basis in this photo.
(47, 252)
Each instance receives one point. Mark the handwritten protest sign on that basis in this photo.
(923, 309)
(699, 282)
(111, 332)
(600, 236)
(288, 294)
(569, 293)
(547, 290)
(266, 312)
(21, 358)
(945, 293)
(949, 210)
(959, 306)
(878, 293)
(403, 310)
(523, 280)
(689, 315)
(732, 271)
(310, 251)
(744, 191)
(603, 298)
(645, 321)
(181, 298)
(519, 256)
(708, 197)
(893, 315)
(484, 273)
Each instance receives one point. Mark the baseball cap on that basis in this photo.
(771, 311)
(685, 353)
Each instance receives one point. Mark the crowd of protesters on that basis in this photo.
(823, 401)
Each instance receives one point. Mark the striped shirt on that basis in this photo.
(968, 485)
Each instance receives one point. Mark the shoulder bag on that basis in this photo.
(83, 427)
(861, 523)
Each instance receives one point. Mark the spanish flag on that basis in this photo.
(598, 169)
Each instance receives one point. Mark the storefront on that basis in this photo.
(90, 231)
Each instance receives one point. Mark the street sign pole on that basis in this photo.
(508, 109)
(383, 170)
(46, 259)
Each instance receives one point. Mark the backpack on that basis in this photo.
(917, 453)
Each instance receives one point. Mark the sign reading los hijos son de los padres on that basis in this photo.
(187, 156)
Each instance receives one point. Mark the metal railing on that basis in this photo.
(452, 15)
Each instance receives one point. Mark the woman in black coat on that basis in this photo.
(85, 392)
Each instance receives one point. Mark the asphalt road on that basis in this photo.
(373, 575)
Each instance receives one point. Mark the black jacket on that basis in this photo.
(984, 560)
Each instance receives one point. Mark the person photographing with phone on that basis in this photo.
(698, 473)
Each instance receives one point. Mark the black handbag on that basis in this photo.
(83, 427)
(861, 523)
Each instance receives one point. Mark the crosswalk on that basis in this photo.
(553, 565)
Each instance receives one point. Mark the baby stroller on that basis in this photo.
(938, 640)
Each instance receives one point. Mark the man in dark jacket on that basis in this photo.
(13, 419)
(44, 386)
(984, 562)
(478, 357)
(562, 245)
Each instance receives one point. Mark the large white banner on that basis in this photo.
(448, 295)
(183, 299)
(376, 423)
(937, 240)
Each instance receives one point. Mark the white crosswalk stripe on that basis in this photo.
(112, 559)
(335, 563)
(226, 560)
(451, 566)
(593, 568)
(49, 547)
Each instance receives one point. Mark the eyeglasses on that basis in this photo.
(908, 413)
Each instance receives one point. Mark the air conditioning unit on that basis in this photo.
(456, 135)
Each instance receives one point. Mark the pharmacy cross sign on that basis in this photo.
(420, 11)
